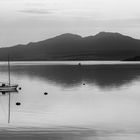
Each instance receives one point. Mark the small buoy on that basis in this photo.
(3, 93)
(45, 93)
(18, 103)
(84, 84)
(19, 88)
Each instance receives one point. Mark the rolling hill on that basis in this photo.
(102, 46)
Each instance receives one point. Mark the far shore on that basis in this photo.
(69, 62)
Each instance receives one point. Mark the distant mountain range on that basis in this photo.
(102, 46)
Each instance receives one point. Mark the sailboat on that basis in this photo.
(8, 87)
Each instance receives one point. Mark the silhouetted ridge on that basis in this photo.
(68, 36)
(102, 46)
(110, 35)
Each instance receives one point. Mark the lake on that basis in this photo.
(92, 101)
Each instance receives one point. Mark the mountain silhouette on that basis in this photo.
(102, 46)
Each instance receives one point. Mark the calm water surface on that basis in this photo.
(95, 100)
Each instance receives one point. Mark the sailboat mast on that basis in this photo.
(9, 82)
(9, 76)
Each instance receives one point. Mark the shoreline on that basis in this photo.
(69, 62)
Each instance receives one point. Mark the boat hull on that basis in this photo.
(9, 88)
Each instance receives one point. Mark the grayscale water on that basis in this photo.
(92, 101)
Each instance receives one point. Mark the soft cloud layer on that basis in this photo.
(35, 11)
(23, 21)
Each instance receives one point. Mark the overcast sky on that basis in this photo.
(24, 21)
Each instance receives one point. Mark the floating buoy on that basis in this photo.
(19, 88)
(18, 103)
(84, 84)
(3, 93)
(45, 93)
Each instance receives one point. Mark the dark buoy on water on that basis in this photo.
(84, 84)
(18, 103)
(3, 93)
(45, 93)
(19, 88)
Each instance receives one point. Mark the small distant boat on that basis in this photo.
(79, 64)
